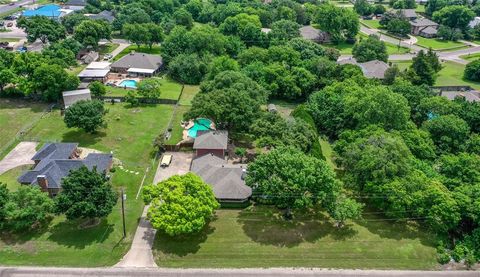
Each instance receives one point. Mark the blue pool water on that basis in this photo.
(201, 124)
(128, 84)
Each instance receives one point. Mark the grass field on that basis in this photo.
(107, 48)
(259, 237)
(187, 95)
(129, 137)
(9, 39)
(16, 115)
(177, 130)
(450, 75)
(438, 44)
(471, 57)
(346, 48)
(142, 49)
(169, 90)
(371, 23)
(10, 177)
(420, 8)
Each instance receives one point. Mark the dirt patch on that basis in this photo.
(85, 151)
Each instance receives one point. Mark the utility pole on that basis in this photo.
(124, 196)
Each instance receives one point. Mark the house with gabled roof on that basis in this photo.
(227, 180)
(372, 69)
(138, 64)
(54, 161)
(311, 33)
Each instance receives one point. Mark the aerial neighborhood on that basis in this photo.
(239, 138)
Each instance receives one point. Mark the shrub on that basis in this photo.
(472, 71)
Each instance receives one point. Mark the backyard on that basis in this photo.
(260, 237)
(169, 90)
(129, 137)
(142, 49)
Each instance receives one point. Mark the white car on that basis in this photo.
(107, 57)
(166, 160)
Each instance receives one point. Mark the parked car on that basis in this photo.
(10, 24)
(166, 160)
(107, 57)
(22, 49)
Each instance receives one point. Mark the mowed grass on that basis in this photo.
(471, 57)
(10, 177)
(438, 44)
(260, 237)
(346, 48)
(142, 49)
(177, 130)
(188, 94)
(129, 137)
(371, 23)
(15, 115)
(450, 75)
(169, 90)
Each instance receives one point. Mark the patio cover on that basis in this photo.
(88, 73)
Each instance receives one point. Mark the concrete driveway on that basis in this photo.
(140, 254)
(180, 165)
(20, 155)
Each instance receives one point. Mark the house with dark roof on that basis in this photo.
(372, 69)
(103, 15)
(138, 64)
(227, 180)
(211, 142)
(54, 161)
(409, 14)
(424, 27)
(311, 33)
(76, 5)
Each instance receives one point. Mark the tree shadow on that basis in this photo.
(268, 228)
(69, 234)
(85, 139)
(181, 245)
(12, 238)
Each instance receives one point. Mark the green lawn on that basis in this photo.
(187, 95)
(327, 152)
(438, 44)
(107, 48)
(177, 130)
(346, 48)
(129, 137)
(420, 8)
(471, 57)
(10, 177)
(371, 23)
(9, 39)
(169, 90)
(143, 49)
(16, 115)
(259, 237)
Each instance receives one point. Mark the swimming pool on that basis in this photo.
(200, 124)
(128, 84)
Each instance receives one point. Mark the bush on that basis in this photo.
(97, 89)
(459, 252)
(443, 258)
(472, 71)
(131, 98)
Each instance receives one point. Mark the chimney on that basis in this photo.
(42, 182)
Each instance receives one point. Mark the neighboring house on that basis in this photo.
(372, 69)
(424, 25)
(54, 161)
(89, 57)
(103, 15)
(213, 142)
(52, 11)
(76, 5)
(409, 14)
(314, 34)
(98, 66)
(470, 96)
(138, 64)
(227, 180)
(73, 96)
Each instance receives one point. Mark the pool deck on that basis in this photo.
(190, 124)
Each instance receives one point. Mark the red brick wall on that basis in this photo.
(217, 152)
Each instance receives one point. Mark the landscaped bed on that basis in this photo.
(260, 237)
(129, 137)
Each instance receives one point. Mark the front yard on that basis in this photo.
(346, 48)
(129, 137)
(438, 44)
(259, 237)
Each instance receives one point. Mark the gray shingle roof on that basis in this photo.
(374, 69)
(105, 15)
(408, 13)
(429, 30)
(139, 60)
(81, 3)
(470, 96)
(226, 180)
(311, 33)
(55, 164)
(422, 22)
(212, 140)
(73, 96)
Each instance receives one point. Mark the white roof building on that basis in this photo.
(73, 96)
(98, 66)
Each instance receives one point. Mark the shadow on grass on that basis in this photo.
(85, 139)
(12, 238)
(69, 234)
(181, 245)
(268, 228)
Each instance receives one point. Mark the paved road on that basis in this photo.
(389, 39)
(7, 8)
(276, 272)
(20, 155)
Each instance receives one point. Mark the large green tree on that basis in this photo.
(86, 194)
(341, 23)
(90, 32)
(85, 114)
(43, 28)
(150, 87)
(51, 80)
(449, 133)
(370, 49)
(180, 205)
(454, 16)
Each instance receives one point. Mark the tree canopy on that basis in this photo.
(85, 114)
